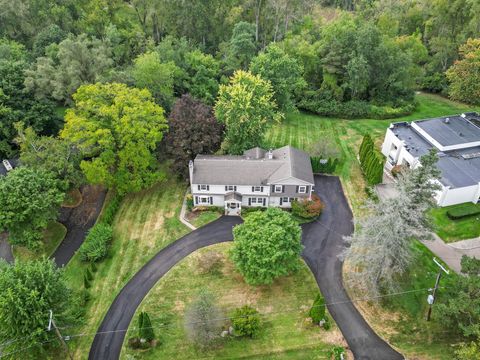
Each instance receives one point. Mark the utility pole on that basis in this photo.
(431, 298)
(51, 323)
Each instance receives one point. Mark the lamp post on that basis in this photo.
(431, 297)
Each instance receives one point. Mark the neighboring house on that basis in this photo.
(256, 178)
(457, 140)
(7, 165)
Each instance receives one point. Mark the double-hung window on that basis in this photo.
(230, 188)
(302, 189)
(257, 188)
(203, 187)
(285, 200)
(278, 188)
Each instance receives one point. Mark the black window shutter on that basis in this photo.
(208, 187)
(261, 188)
(196, 200)
(281, 201)
(264, 201)
(235, 188)
(297, 189)
(249, 201)
(211, 200)
(283, 188)
(253, 188)
(273, 188)
(306, 189)
(226, 188)
(198, 187)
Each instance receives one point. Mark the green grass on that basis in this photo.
(454, 230)
(52, 237)
(286, 332)
(204, 217)
(302, 130)
(145, 223)
(73, 198)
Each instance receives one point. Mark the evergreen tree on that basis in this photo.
(145, 329)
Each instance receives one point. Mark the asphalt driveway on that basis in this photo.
(323, 243)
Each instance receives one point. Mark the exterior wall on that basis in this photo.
(396, 156)
(217, 200)
(220, 189)
(447, 196)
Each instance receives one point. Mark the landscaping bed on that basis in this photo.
(73, 198)
(286, 329)
(464, 227)
(200, 217)
(52, 237)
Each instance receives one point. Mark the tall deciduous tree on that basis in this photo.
(242, 46)
(203, 320)
(267, 245)
(193, 130)
(29, 199)
(54, 155)
(246, 107)
(202, 76)
(148, 72)
(76, 61)
(284, 73)
(117, 128)
(464, 75)
(28, 291)
(380, 248)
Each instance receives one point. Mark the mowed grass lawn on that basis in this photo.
(145, 223)
(302, 130)
(287, 332)
(454, 230)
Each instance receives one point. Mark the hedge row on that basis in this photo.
(464, 210)
(318, 166)
(352, 109)
(371, 161)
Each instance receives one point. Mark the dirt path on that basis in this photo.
(78, 221)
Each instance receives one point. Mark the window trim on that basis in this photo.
(203, 187)
(285, 199)
(300, 189)
(203, 200)
(276, 189)
(257, 187)
(230, 187)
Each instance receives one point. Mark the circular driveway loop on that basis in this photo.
(323, 243)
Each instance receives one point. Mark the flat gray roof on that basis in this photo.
(455, 130)
(253, 168)
(456, 171)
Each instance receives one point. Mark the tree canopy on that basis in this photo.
(247, 108)
(29, 199)
(117, 129)
(266, 246)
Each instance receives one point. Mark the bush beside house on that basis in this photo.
(307, 209)
(371, 161)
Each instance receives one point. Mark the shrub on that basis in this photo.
(396, 170)
(145, 329)
(210, 262)
(108, 213)
(246, 321)
(463, 210)
(336, 353)
(95, 246)
(327, 325)
(189, 202)
(307, 209)
(317, 311)
(371, 161)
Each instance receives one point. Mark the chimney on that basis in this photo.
(190, 171)
(270, 154)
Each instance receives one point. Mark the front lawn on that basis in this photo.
(301, 130)
(287, 332)
(145, 223)
(201, 218)
(454, 230)
(52, 237)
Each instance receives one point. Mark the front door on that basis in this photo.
(232, 208)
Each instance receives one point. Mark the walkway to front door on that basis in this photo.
(233, 208)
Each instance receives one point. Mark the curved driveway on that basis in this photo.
(323, 242)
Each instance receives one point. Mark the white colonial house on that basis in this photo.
(256, 178)
(457, 140)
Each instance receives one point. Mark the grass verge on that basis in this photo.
(73, 198)
(145, 223)
(286, 332)
(202, 218)
(454, 230)
(52, 237)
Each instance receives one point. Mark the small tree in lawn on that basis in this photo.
(246, 321)
(317, 311)
(29, 199)
(203, 320)
(247, 108)
(145, 329)
(267, 245)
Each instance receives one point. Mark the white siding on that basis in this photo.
(220, 189)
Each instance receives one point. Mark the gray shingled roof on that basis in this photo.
(456, 171)
(253, 168)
